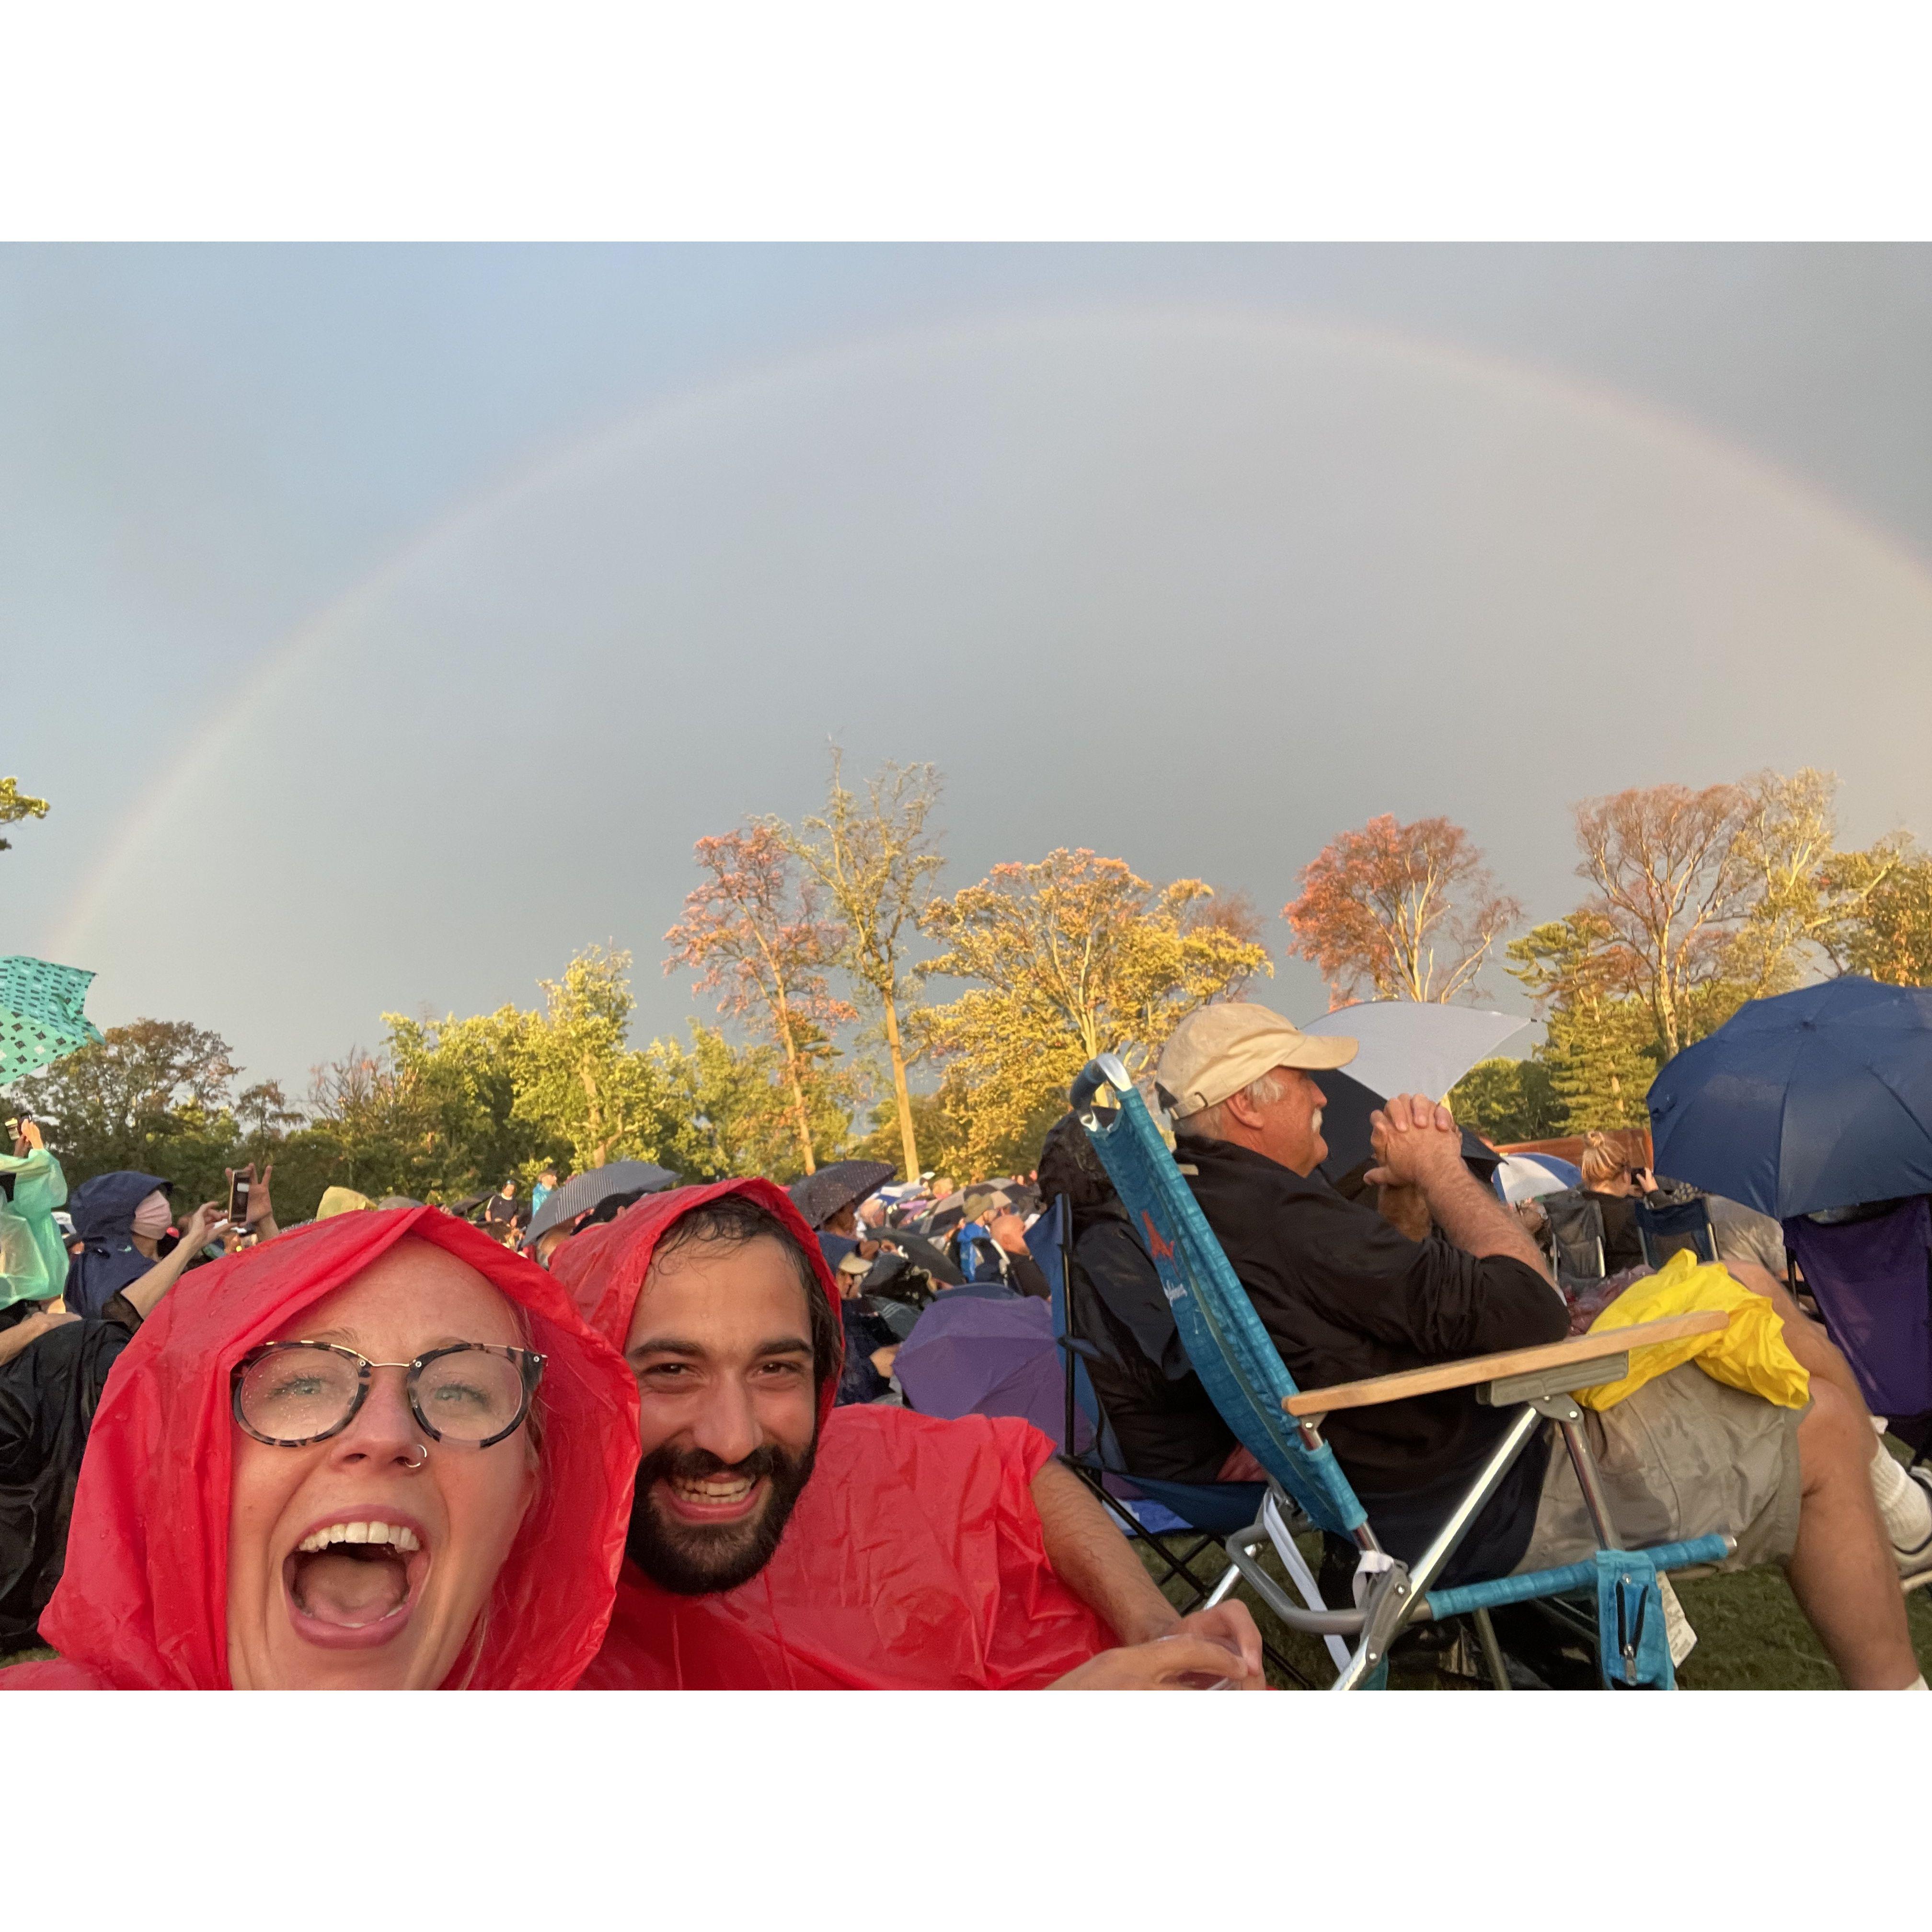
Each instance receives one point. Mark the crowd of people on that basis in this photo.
(631, 1433)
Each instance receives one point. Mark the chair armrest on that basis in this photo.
(1441, 1376)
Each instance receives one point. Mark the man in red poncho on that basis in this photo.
(778, 1543)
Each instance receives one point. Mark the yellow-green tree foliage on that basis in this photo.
(729, 1109)
(15, 805)
(1075, 955)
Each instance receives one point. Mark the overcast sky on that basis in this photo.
(386, 623)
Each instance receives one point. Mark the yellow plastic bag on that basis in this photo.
(1751, 1354)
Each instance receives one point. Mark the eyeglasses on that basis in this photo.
(288, 1394)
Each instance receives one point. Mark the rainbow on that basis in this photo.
(282, 660)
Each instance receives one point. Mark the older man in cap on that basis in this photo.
(1347, 1292)
(1445, 1271)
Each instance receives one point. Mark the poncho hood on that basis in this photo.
(103, 1209)
(142, 1604)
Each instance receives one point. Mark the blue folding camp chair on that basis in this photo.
(1674, 1224)
(1150, 1507)
(1281, 1428)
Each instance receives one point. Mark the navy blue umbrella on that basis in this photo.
(1821, 1098)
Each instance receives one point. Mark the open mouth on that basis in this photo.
(352, 1584)
(724, 1498)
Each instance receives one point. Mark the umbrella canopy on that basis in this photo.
(819, 1196)
(1821, 1098)
(1523, 1177)
(1345, 1127)
(1412, 1046)
(40, 1018)
(968, 1355)
(583, 1192)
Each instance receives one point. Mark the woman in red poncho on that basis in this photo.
(379, 1452)
(780, 1542)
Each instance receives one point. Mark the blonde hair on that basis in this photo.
(1603, 1159)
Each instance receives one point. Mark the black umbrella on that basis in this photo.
(583, 1192)
(819, 1196)
(1345, 1127)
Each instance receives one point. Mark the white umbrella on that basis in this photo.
(1416, 1046)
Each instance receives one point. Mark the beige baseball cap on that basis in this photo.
(1218, 1049)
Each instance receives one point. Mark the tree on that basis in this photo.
(15, 805)
(754, 934)
(1408, 911)
(152, 1096)
(451, 1107)
(1601, 1048)
(1807, 897)
(1508, 1100)
(577, 1079)
(1883, 928)
(1075, 955)
(874, 860)
(1675, 881)
(264, 1114)
(729, 1111)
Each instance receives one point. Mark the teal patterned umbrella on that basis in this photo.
(40, 1018)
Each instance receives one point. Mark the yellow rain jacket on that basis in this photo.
(1751, 1354)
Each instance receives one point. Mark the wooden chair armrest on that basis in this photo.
(1439, 1375)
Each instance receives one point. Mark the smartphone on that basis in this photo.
(238, 1202)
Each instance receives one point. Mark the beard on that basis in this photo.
(701, 1559)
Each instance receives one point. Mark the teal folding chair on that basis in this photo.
(1280, 1426)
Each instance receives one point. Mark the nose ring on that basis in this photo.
(422, 1457)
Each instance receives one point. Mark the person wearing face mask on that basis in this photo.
(120, 1220)
(379, 1452)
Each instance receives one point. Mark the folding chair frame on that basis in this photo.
(1280, 1426)
(1081, 1401)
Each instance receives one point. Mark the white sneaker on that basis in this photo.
(1915, 1565)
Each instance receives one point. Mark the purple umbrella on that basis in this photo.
(969, 1355)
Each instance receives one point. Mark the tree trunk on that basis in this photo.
(797, 1086)
(901, 1098)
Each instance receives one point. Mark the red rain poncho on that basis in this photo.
(914, 1560)
(142, 1604)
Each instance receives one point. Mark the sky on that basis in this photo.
(386, 623)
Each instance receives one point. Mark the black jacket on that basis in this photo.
(1162, 1421)
(48, 1394)
(1344, 1296)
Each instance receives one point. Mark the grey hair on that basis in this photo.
(1209, 1122)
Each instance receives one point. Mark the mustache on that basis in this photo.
(694, 1465)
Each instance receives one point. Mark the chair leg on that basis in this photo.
(1230, 1577)
(1492, 1651)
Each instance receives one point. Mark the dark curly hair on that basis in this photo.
(1070, 1166)
(732, 1220)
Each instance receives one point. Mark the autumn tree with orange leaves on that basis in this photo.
(1406, 912)
(754, 934)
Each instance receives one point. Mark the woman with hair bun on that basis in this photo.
(1615, 1185)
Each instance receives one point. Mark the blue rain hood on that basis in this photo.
(103, 1209)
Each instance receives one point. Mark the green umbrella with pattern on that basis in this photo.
(40, 1016)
